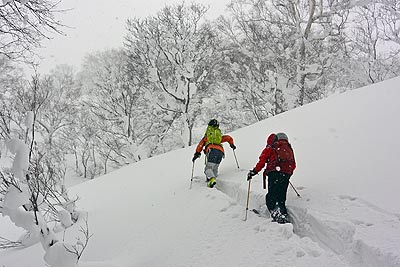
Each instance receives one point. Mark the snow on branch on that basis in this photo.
(32, 198)
(6, 243)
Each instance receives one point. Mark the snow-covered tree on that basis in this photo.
(170, 53)
(113, 100)
(390, 16)
(293, 42)
(11, 82)
(23, 24)
(29, 197)
(32, 191)
(374, 40)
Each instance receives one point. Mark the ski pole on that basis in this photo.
(235, 158)
(191, 179)
(247, 202)
(295, 189)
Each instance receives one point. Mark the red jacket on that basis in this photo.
(268, 156)
(225, 138)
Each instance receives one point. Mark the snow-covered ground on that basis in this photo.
(347, 150)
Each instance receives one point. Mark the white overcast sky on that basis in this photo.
(99, 24)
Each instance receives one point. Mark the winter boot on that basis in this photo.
(284, 218)
(279, 217)
(211, 182)
(275, 214)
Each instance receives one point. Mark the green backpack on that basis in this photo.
(214, 135)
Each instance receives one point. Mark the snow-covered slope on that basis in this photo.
(347, 150)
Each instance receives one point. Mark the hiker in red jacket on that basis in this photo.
(279, 157)
(212, 141)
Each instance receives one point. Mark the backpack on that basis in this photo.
(214, 135)
(284, 161)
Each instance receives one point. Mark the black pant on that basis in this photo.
(278, 183)
(215, 156)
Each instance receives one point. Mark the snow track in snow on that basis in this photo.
(335, 232)
(339, 233)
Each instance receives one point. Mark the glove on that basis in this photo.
(251, 174)
(196, 156)
(233, 146)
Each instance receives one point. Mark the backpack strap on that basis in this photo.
(264, 180)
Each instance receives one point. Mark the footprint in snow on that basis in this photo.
(345, 197)
(235, 215)
(231, 204)
(300, 253)
(314, 253)
(361, 223)
(209, 195)
(259, 228)
(224, 209)
(286, 230)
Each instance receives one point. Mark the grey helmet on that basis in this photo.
(282, 136)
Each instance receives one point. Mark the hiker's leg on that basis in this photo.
(215, 156)
(271, 197)
(209, 170)
(215, 170)
(282, 191)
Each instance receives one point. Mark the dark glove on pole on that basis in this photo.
(251, 174)
(196, 156)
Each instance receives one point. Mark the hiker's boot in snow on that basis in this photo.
(284, 218)
(275, 214)
(278, 217)
(211, 183)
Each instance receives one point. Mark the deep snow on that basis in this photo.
(347, 151)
